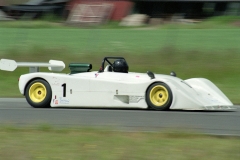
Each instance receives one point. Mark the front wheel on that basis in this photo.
(159, 96)
(38, 94)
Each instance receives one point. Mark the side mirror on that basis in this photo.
(173, 74)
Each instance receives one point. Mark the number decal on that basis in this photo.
(64, 89)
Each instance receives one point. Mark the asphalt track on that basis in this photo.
(16, 111)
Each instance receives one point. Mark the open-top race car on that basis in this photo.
(113, 86)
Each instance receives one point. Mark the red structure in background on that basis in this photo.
(120, 8)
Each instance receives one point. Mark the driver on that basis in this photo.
(120, 65)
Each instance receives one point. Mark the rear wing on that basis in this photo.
(11, 65)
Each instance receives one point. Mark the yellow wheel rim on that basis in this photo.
(37, 92)
(159, 95)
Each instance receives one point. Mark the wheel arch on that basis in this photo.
(172, 92)
(150, 85)
(35, 78)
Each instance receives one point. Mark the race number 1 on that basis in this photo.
(64, 89)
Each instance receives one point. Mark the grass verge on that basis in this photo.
(92, 143)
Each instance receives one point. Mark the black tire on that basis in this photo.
(38, 94)
(159, 96)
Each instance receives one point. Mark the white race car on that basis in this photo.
(114, 87)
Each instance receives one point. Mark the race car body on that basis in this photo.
(109, 89)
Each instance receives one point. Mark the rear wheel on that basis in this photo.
(38, 94)
(159, 96)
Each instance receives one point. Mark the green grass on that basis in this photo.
(91, 143)
(210, 53)
(119, 40)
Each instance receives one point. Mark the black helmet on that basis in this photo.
(120, 65)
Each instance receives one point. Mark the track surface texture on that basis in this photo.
(16, 111)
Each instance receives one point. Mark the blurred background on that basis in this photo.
(99, 11)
